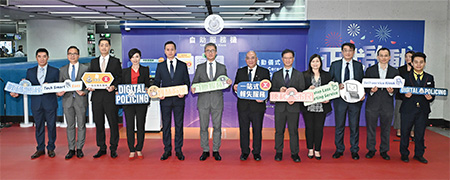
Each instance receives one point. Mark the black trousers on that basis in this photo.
(340, 113)
(245, 118)
(314, 122)
(178, 116)
(99, 110)
(419, 119)
(385, 116)
(280, 125)
(138, 113)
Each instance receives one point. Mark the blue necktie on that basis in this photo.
(250, 75)
(41, 75)
(286, 79)
(347, 73)
(172, 71)
(72, 76)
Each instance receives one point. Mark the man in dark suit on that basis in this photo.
(380, 103)
(250, 110)
(43, 106)
(172, 72)
(341, 71)
(103, 100)
(289, 112)
(415, 109)
(210, 104)
(74, 103)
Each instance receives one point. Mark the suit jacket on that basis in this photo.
(114, 67)
(144, 76)
(336, 71)
(324, 80)
(80, 101)
(380, 99)
(47, 101)
(212, 99)
(180, 77)
(410, 104)
(242, 75)
(297, 81)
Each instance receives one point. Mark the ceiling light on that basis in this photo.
(248, 12)
(46, 6)
(174, 17)
(166, 12)
(157, 6)
(73, 12)
(93, 17)
(256, 5)
(5, 20)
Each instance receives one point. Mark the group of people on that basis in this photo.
(414, 109)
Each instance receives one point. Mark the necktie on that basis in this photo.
(42, 75)
(250, 75)
(418, 78)
(103, 67)
(211, 77)
(286, 79)
(72, 77)
(172, 71)
(347, 73)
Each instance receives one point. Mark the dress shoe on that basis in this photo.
(257, 157)
(166, 155)
(131, 156)
(278, 156)
(51, 153)
(295, 157)
(114, 154)
(405, 158)
(337, 155)
(317, 155)
(244, 157)
(179, 155)
(70, 154)
(370, 154)
(37, 154)
(420, 159)
(100, 153)
(204, 156)
(310, 154)
(355, 155)
(217, 156)
(385, 156)
(80, 153)
(139, 155)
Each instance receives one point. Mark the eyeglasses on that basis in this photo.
(288, 58)
(210, 51)
(72, 54)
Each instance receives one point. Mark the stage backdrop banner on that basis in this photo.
(325, 38)
(232, 44)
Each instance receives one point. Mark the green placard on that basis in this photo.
(324, 93)
(219, 84)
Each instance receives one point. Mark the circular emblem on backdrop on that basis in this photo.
(265, 85)
(353, 91)
(214, 24)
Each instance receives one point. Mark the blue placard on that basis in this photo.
(24, 87)
(252, 90)
(424, 91)
(132, 94)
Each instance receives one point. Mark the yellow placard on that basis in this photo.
(97, 80)
(156, 92)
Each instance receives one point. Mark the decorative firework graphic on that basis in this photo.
(326, 37)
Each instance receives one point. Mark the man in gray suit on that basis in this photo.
(74, 103)
(289, 112)
(210, 103)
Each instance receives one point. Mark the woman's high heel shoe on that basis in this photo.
(317, 155)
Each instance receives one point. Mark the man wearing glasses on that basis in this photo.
(210, 103)
(74, 103)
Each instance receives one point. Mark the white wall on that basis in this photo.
(437, 29)
(56, 36)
